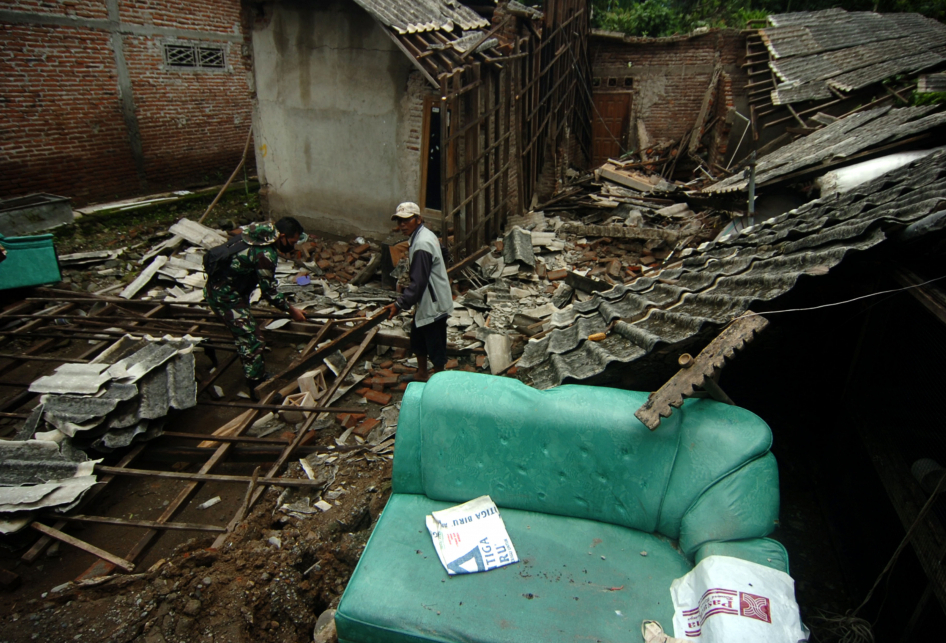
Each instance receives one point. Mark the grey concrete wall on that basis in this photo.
(331, 117)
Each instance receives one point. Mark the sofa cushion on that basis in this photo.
(715, 440)
(577, 580)
(574, 450)
(744, 504)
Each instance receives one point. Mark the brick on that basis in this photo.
(386, 364)
(363, 248)
(365, 427)
(452, 364)
(377, 397)
(556, 275)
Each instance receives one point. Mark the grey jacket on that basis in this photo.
(430, 286)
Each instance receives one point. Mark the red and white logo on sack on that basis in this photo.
(726, 601)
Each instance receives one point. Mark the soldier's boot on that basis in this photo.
(254, 382)
(211, 354)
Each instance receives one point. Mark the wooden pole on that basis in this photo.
(246, 148)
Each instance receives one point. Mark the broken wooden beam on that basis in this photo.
(84, 546)
(695, 373)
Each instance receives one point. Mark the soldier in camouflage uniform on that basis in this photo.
(229, 288)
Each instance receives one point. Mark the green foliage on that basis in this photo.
(652, 18)
(929, 98)
(656, 18)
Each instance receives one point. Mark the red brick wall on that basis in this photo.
(62, 128)
(193, 124)
(218, 16)
(61, 125)
(669, 75)
(94, 9)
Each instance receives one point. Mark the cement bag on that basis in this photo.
(730, 600)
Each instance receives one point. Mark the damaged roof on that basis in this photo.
(719, 282)
(813, 52)
(838, 141)
(415, 16)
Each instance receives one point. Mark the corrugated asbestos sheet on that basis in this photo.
(413, 16)
(146, 381)
(37, 474)
(811, 51)
(720, 281)
(839, 140)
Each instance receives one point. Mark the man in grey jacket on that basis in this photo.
(429, 291)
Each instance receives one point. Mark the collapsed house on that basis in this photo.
(609, 278)
(362, 105)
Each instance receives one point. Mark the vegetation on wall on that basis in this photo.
(656, 18)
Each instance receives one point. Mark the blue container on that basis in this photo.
(31, 261)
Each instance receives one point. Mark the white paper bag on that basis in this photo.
(471, 537)
(730, 600)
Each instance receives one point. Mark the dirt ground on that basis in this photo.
(276, 573)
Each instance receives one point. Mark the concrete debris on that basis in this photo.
(197, 234)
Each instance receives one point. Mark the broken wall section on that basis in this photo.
(668, 79)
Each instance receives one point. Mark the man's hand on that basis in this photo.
(296, 314)
(392, 310)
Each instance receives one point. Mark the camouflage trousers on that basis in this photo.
(234, 310)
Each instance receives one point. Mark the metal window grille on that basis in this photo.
(194, 56)
(180, 55)
(210, 57)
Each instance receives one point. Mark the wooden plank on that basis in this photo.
(278, 407)
(128, 566)
(468, 261)
(254, 494)
(223, 438)
(174, 506)
(933, 299)
(348, 336)
(201, 477)
(150, 524)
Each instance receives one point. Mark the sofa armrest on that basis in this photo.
(742, 505)
(763, 551)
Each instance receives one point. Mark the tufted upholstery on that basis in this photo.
(576, 460)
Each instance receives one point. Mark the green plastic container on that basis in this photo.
(31, 261)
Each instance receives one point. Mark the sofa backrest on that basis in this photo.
(573, 450)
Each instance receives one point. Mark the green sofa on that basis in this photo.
(603, 513)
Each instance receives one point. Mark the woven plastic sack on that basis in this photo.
(730, 600)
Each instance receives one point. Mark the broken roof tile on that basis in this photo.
(411, 16)
(72, 378)
(847, 50)
(714, 285)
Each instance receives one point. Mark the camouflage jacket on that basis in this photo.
(254, 266)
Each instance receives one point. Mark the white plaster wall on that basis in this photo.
(331, 125)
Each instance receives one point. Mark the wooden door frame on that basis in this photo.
(626, 135)
(429, 103)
